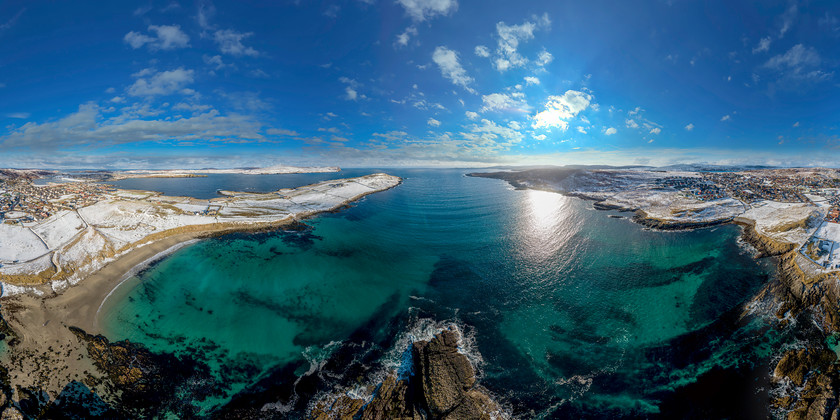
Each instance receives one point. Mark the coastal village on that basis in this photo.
(55, 235)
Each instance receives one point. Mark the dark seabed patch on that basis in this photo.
(574, 314)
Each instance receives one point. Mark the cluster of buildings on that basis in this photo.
(28, 202)
(833, 214)
(754, 187)
(698, 188)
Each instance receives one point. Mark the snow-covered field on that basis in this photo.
(60, 229)
(777, 220)
(77, 245)
(19, 243)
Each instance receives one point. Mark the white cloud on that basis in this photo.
(18, 115)
(581, 130)
(206, 10)
(504, 102)
(482, 51)
(560, 109)
(230, 42)
(351, 91)
(87, 126)
(725, 117)
(447, 61)
(510, 36)
(655, 130)
(689, 127)
(631, 123)
(281, 132)
(472, 115)
(420, 10)
(403, 38)
(137, 40)
(163, 83)
(796, 57)
(350, 94)
(540, 137)
(763, 45)
(799, 64)
(544, 58)
(796, 124)
(192, 107)
(166, 38)
(216, 61)
(787, 19)
(489, 134)
(610, 131)
(433, 122)
(531, 80)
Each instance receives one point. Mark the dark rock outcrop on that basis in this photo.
(815, 369)
(795, 364)
(442, 385)
(146, 383)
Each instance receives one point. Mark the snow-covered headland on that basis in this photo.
(46, 255)
(792, 214)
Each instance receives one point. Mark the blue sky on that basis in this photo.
(180, 84)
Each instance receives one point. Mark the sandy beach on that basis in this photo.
(48, 355)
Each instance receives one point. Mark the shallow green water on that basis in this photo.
(565, 305)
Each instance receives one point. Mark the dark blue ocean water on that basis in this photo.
(567, 311)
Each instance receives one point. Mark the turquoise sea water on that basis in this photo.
(572, 312)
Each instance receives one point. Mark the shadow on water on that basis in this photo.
(77, 401)
(292, 386)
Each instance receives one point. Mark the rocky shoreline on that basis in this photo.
(441, 384)
(808, 377)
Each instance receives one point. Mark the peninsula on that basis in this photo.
(791, 213)
(66, 246)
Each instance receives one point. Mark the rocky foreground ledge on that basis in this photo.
(441, 385)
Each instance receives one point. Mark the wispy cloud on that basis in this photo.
(403, 38)
(165, 38)
(509, 38)
(420, 10)
(161, 83)
(11, 22)
(450, 67)
(504, 102)
(763, 45)
(230, 42)
(796, 65)
(90, 126)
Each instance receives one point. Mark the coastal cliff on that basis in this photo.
(808, 379)
(442, 385)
